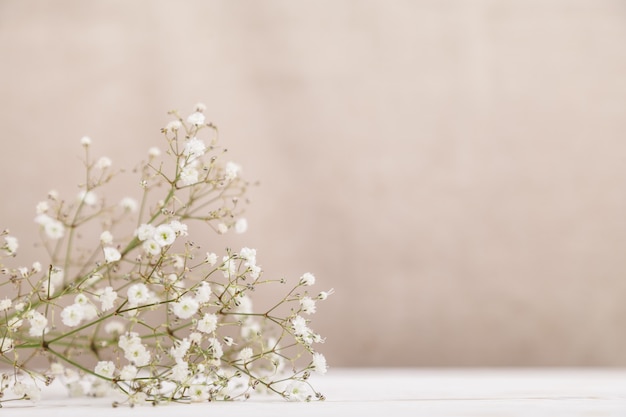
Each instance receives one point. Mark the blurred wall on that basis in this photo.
(456, 170)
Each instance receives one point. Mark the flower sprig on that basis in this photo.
(128, 303)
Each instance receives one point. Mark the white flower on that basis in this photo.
(128, 339)
(5, 304)
(194, 148)
(138, 294)
(107, 298)
(198, 393)
(72, 315)
(189, 175)
(222, 228)
(54, 229)
(111, 254)
(104, 162)
(179, 228)
(216, 348)
(85, 141)
(200, 107)
(185, 308)
(195, 338)
(173, 126)
(114, 327)
(38, 324)
(151, 247)
(88, 197)
(211, 258)
(255, 271)
(153, 152)
(229, 266)
(307, 279)
(299, 326)
(231, 170)
(106, 238)
(203, 292)
(145, 231)
(319, 363)
(57, 276)
(23, 271)
(128, 373)
(6, 345)
(208, 323)
(137, 354)
(11, 244)
(180, 372)
(245, 354)
(36, 267)
(53, 195)
(179, 350)
(196, 119)
(249, 255)
(324, 294)
(164, 235)
(297, 391)
(129, 204)
(307, 304)
(241, 225)
(42, 207)
(105, 369)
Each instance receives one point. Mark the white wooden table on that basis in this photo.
(395, 392)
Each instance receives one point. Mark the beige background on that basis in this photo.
(456, 170)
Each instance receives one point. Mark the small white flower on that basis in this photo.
(164, 235)
(137, 354)
(129, 204)
(307, 304)
(319, 363)
(203, 292)
(88, 197)
(194, 148)
(138, 294)
(180, 372)
(107, 298)
(180, 349)
(145, 231)
(255, 271)
(211, 258)
(111, 254)
(195, 338)
(128, 373)
(106, 238)
(57, 276)
(85, 141)
(36, 267)
(189, 175)
(72, 315)
(5, 304)
(231, 171)
(249, 255)
(222, 228)
(299, 326)
(200, 107)
(208, 323)
(153, 152)
(216, 348)
(38, 323)
(54, 229)
(179, 228)
(53, 195)
(245, 354)
(42, 207)
(297, 391)
(105, 369)
(196, 119)
(324, 294)
(198, 393)
(307, 279)
(151, 247)
(185, 308)
(229, 266)
(113, 327)
(173, 126)
(241, 225)
(104, 162)
(11, 245)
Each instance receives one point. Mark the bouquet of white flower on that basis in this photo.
(127, 303)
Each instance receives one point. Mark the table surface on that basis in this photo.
(395, 392)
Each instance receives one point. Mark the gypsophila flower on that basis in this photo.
(222, 228)
(151, 247)
(198, 393)
(211, 258)
(208, 323)
(72, 315)
(172, 126)
(11, 245)
(319, 363)
(88, 197)
(111, 254)
(229, 266)
(245, 354)
(42, 207)
(194, 148)
(307, 304)
(297, 391)
(189, 175)
(114, 327)
(104, 162)
(128, 373)
(154, 152)
(38, 323)
(164, 235)
(249, 255)
(201, 107)
(85, 141)
(307, 279)
(241, 226)
(299, 326)
(105, 369)
(203, 292)
(6, 345)
(107, 298)
(196, 119)
(5, 304)
(180, 349)
(145, 231)
(129, 204)
(231, 171)
(324, 294)
(138, 294)
(54, 229)
(137, 354)
(106, 238)
(185, 308)
(179, 228)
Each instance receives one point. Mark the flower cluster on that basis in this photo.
(129, 305)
